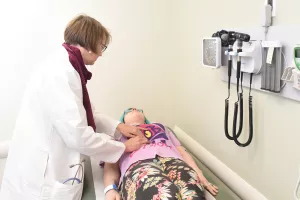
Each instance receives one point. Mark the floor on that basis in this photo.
(97, 172)
(88, 185)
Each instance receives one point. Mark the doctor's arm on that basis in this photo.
(106, 124)
(62, 99)
(112, 127)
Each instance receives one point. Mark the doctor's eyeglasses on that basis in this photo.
(104, 47)
(101, 48)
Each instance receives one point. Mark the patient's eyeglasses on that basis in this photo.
(132, 109)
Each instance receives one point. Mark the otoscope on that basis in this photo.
(241, 37)
(228, 39)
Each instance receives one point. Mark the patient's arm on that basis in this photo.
(190, 161)
(111, 174)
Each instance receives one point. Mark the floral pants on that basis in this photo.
(161, 178)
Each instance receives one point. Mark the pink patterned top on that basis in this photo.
(162, 143)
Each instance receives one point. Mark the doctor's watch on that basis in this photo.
(110, 187)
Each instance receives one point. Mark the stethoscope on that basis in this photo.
(80, 166)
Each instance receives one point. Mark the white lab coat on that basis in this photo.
(51, 133)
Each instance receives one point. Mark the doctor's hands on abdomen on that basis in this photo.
(135, 143)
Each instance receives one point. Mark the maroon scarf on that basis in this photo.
(76, 60)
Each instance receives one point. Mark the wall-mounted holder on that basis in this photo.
(251, 57)
(288, 74)
(288, 35)
(296, 79)
(272, 67)
(211, 52)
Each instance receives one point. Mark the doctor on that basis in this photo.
(56, 124)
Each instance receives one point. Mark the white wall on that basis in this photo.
(131, 72)
(29, 31)
(271, 162)
(154, 63)
(135, 70)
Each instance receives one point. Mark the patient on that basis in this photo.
(161, 169)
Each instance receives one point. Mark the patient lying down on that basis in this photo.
(161, 169)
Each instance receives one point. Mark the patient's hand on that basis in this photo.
(112, 195)
(211, 188)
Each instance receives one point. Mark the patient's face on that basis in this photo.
(134, 117)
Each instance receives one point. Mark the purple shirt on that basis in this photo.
(162, 143)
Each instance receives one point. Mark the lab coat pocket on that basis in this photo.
(34, 168)
(67, 192)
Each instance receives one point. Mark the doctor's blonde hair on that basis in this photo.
(87, 32)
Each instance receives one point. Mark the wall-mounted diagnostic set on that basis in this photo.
(258, 59)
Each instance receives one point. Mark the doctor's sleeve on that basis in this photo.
(106, 124)
(62, 99)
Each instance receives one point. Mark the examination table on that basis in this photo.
(93, 181)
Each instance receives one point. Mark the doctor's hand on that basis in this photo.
(112, 195)
(135, 143)
(130, 131)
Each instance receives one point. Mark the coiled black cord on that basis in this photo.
(235, 136)
(227, 99)
(239, 102)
